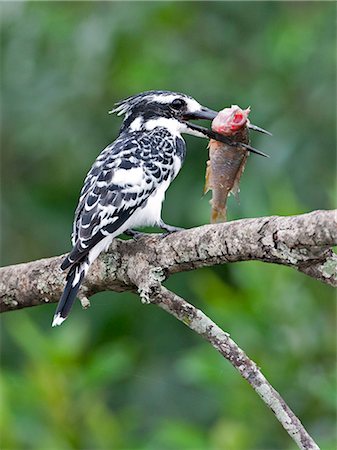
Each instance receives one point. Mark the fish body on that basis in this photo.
(226, 162)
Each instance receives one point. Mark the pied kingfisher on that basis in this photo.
(126, 185)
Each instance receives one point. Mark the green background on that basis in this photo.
(126, 376)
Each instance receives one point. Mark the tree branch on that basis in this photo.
(197, 321)
(302, 242)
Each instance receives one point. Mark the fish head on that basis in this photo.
(230, 120)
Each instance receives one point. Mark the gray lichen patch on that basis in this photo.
(10, 302)
(42, 286)
(144, 294)
(157, 274)
(148, 282)
(329, 268)
(84, 302)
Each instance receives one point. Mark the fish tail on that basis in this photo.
(219, 215)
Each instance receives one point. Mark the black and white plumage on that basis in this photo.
(126, 186)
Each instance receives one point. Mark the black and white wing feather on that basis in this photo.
(119, 183)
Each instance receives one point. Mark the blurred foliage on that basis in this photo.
(127, 376)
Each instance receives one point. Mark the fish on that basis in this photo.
(226, 162)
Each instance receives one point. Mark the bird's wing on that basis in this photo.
(119, 182)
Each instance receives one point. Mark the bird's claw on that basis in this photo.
(136, 235)
(169, 229)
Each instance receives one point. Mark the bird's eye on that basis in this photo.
(178, 104)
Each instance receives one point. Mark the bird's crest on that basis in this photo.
(126, 105)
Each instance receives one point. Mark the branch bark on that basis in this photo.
(302, 242)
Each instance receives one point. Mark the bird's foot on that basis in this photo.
(169, 229)
(134, 234)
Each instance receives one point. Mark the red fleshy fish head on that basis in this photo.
(230, 120)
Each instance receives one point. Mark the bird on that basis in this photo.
(125, 187)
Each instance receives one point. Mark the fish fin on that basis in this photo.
(207, 186)
(236, 186)
(236, 190)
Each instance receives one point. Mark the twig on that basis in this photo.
(197, 321)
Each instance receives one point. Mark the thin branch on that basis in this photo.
(197, 321)
(302, 242)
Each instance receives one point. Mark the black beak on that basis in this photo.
(203, 114)
(209, 114)
(259, 129)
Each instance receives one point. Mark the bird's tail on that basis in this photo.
(74, 280)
